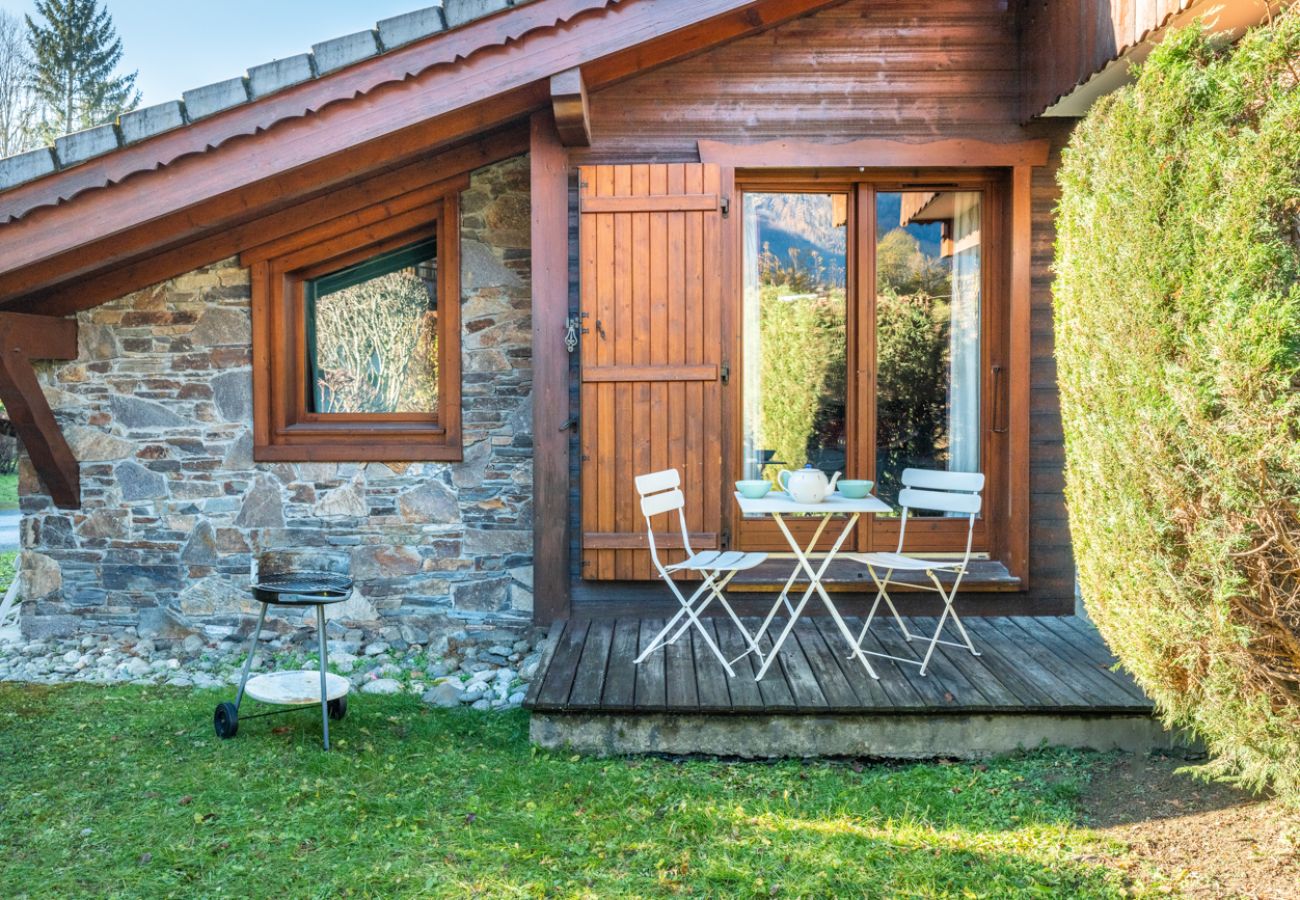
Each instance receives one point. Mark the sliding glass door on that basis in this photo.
(864, 334)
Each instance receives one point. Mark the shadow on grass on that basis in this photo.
(128, 790)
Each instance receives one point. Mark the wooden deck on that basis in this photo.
(1038, 679)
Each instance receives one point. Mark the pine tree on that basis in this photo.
(76, 54)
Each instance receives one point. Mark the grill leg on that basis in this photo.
(248, 663)
(324, 701)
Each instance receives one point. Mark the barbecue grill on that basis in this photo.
(296, 689)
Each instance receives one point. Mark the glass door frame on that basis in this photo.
(937, 535)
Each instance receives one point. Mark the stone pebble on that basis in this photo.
(465, 674)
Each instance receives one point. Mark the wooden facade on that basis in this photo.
(905, 86)
(643, 120)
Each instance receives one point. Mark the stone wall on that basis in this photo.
(157, 408)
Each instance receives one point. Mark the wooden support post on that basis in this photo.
(22, 339)
(550, 275)
(569, 105)
(1020, 358)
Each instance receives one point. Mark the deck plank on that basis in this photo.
(589, 677)
(777, 696)
(835, 687)
(896, 678)
(544, 664)
(564, 664)
(679, 672)
(807, 692)
(745, 695)
(620, 675)
(1090, 677)
(651, 690)
(711, 679)
(1089, 642)
(975, 675)
(1026, 666)
(871, 693)
(1019, 664)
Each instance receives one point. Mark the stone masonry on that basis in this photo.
(157, 408)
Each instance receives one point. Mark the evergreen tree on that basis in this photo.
(76, 54)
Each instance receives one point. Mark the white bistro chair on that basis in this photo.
(661, 493)
(949, 492)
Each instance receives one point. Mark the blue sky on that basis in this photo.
(186, 43)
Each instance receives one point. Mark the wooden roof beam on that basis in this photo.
(570, 107)
(22, 339)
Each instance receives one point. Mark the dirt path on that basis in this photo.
(1207, 840)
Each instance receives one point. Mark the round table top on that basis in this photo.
(303, 589)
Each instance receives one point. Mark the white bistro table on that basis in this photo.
(778, 505)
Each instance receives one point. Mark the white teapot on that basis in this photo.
(807, 485)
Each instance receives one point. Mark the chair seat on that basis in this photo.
(719, 561)
(906, 563)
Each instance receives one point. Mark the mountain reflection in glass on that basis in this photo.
(794, 332)
(927, 334)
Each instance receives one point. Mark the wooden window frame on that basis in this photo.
(808, 163)
(860, 188)
(284, 429)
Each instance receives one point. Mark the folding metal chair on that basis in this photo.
(949, 492)
(661, 493)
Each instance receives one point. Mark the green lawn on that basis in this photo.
(126, 791)
(9, 491)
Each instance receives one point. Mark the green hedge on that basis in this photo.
(1178, 344)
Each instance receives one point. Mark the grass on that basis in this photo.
(126, 791)
(8, 569)
(9, 491)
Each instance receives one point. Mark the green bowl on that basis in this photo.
(852, 489)
(753, 490)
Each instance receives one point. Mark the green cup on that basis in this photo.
(852, 489)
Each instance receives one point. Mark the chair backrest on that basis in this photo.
(936, 490)
(661, 493)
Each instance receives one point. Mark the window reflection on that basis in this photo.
(794, 332)
(928, 289)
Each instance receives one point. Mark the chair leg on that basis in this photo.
(948, 598)
(661, 639)
(882, 594)
(947, 611)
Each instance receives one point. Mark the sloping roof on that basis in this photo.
(145, 208)
(259, 81)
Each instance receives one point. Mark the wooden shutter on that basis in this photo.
(650, 241)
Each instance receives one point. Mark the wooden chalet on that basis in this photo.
(725, 236)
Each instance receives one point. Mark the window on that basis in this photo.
(871, 333)
(356, 341)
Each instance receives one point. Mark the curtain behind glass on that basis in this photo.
(964, 337)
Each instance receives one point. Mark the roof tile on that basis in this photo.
(213, 98)
(410, 26)
(344, 51)
(461, 11)
(83, 145)
(280, 73)
(139, 124)
(26, 166)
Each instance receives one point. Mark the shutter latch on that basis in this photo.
(572, 328)
(726, 206)
(725, 371)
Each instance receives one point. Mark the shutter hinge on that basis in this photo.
(569, 423)
(725, 539)
(572, 328)
(726, 206)
(725, 371)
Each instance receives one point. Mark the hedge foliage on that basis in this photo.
(1178, 347)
